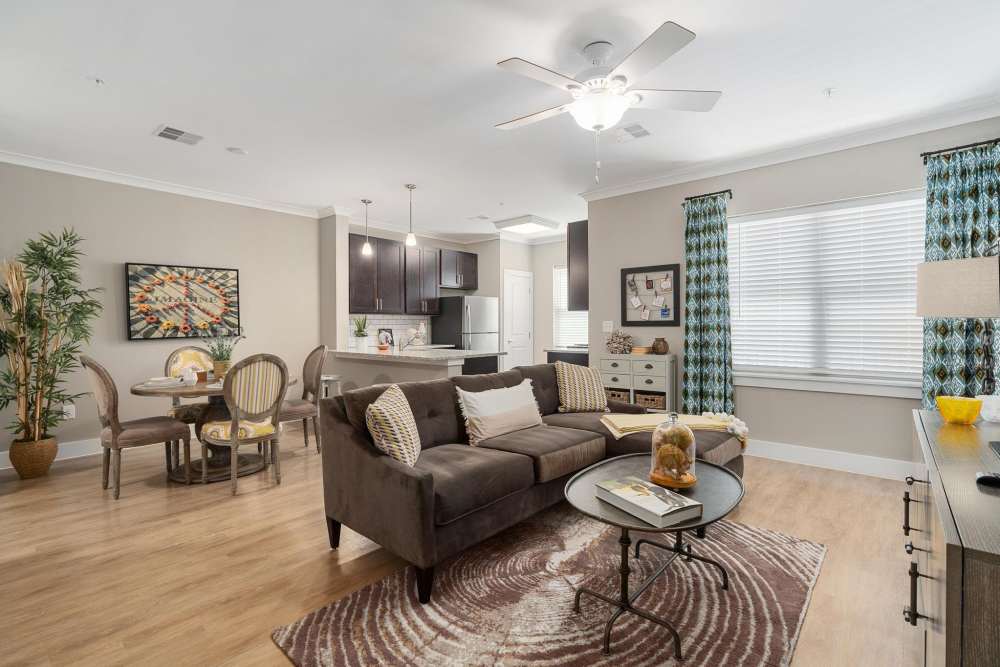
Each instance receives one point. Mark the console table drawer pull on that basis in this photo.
(906, 513)
(910, 613)
(910, 480)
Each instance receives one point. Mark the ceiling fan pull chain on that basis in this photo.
(597, 157)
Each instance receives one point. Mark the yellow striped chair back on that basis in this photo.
(186, 357)
(255, 387)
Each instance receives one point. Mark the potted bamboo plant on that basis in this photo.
(220, 348)
(45, 316)
(361, 333)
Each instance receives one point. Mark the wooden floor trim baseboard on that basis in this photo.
(860, 464)
(73, 449)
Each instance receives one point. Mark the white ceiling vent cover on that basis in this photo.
(630, 133)
(173, 134)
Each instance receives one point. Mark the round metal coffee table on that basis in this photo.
(719, 490)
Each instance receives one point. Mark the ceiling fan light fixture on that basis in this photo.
(600, 109)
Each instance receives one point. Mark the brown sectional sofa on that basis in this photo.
(457, 495)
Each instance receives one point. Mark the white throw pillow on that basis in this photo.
(498, 411)
(393, 428)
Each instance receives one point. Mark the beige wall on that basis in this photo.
(653, 224)
(277, 256)
(543, 258)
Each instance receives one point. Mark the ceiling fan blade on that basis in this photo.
(665, 41)
(533, 118)
(539, 73)
(678, 100)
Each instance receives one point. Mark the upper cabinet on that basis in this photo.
(377, 281)
(577, 297)
(459, 270)
(422, 281)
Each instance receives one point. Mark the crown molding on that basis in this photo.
(108, 176)
(967, 114)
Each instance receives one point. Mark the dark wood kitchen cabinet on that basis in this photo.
(376, 282)
(459, 270)
(422, 272)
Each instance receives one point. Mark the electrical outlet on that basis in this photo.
(69, 410)
(608, 326)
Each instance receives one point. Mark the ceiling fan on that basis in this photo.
(602, 94)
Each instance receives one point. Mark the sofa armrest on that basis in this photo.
(628, 408)
(385, 500)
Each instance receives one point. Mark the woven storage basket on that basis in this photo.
(654, 401)
(617, 395)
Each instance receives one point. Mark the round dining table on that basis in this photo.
(215, 409)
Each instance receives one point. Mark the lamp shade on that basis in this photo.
(959, 288)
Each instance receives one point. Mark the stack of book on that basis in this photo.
(653, 504)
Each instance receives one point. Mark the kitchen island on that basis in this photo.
(362, 369)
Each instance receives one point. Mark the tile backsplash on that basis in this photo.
(399, 324)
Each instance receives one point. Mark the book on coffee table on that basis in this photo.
(653, 504)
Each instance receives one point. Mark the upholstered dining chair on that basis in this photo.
(307, 407)
(118, 435)
(181, 359)
(253, 391)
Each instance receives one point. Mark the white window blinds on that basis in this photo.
(568, 327)
(829, 291)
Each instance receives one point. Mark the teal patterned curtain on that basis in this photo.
(963, 220)
(708, 355)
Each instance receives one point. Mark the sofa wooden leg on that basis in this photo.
(425, 581)
(333, 528)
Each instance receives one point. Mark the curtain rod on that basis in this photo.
(710, 194)
(959, 148)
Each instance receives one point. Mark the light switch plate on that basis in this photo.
(608, 326)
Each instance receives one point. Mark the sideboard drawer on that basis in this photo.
(618, 380)
(649, 382)
(615, 366)
(651, 367)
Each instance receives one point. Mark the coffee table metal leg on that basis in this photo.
(624, 602)
(682, 549)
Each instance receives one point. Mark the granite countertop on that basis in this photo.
(568, 350)
(431, 357)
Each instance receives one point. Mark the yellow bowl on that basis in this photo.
(959, 409)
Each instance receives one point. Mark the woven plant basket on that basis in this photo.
(32, 459)
(220, 368)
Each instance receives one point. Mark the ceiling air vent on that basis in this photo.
(631, 132)
(173, 134)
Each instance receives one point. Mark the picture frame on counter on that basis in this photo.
(650, 296)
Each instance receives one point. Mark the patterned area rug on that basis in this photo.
(509, 601)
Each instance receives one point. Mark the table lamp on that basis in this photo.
(965, 288)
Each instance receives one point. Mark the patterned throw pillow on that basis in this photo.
(393, 428)
(580, 389)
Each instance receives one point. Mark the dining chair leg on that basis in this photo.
(275, 452)
(116, 470)
(234, 466)
(265, 453)
(316, 432)
(204, 463)
(175, 447)
(305, 432)
(105, 463)
(187, 460)
(167, 447)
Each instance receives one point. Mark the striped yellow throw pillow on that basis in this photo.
(580, 389)
(393, 428)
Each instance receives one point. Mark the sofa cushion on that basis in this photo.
(555, 451)
(469, 478)
(433, 403)
(543, 383)
(488, 381)
(712, 446)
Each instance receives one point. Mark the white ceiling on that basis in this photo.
(336, 101)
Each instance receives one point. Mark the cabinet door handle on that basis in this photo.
(614, 364)
(648, 381)
(906, 513)
(909, 548)
(614, 379)
(649, 367)
(911, 480)
(910, 613)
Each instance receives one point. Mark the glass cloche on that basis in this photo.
(672, 462)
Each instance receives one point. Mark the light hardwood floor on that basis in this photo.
(175, 575)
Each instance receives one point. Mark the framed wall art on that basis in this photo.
(168, 301)
(651, 296)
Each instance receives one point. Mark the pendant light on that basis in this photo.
(411, 239)
(366, 249)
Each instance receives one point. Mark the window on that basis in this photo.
(827, 294)
(568, 326)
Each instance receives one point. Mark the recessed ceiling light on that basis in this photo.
(236, 150)
(526, 224)
(526, 228)
(828, 92)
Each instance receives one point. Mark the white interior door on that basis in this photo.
(518, 306)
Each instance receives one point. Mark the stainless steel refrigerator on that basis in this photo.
(469, 323)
